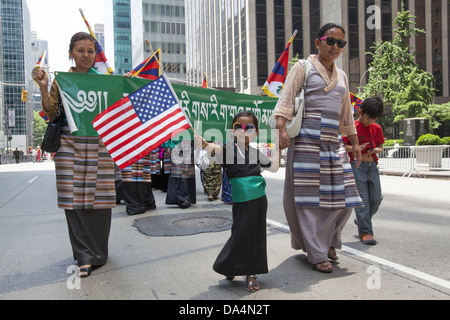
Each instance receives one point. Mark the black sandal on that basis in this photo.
(86, 270)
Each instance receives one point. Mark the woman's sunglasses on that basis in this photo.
(332, 41)
(250, 128)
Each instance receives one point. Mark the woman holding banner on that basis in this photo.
(84, 171)
(319, 190)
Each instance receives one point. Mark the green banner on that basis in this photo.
(210, 111)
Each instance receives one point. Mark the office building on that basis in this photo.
(237, 42)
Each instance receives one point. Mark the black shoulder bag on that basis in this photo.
(52, 136)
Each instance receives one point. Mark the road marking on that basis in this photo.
(34, 179)
(393, 265)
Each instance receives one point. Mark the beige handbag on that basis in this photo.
(293, 126)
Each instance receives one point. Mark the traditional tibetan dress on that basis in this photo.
(320, 189)
(181, 185)
(137, 186)
(86, 189)
(245, 252)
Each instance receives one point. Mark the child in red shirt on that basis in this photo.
(371, 140)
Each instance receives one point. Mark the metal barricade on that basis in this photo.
(414, 158)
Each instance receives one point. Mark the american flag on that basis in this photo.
(139, 123)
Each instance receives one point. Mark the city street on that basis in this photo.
(409, 261)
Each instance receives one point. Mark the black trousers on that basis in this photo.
(89, 235)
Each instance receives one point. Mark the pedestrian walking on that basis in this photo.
(367, 177)
(84, 170)
(245, 252)
(319, 191)
(16, 153)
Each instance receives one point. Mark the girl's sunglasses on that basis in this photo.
(250, 128)
(332, 41)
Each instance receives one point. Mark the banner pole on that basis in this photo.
(170, 85)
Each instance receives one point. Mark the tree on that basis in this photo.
(414, 100)
(39, 128)
(393, 65)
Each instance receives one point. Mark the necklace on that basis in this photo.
(329, 69)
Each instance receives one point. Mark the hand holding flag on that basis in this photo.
(137, 124)
(39, 64)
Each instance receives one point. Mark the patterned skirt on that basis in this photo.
(323, 176)
(84, 173)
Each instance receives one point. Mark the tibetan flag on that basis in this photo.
(205, 81)
(149, 68)
(41, 60)
(101, 63)
(275, 82)
(39, 64)
(141, 122)
(356, 102)
(44, 116)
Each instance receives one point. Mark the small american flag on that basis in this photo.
(139, 123)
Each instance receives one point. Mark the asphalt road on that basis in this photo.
(409, 261)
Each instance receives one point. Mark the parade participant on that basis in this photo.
(137, 187)
(181, 188)
(319, 190)
(212, 179)
(367, 177)
(84, 170)
(245, 252)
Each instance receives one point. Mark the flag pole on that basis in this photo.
(91, 32)
(87, 24)
(170, 86)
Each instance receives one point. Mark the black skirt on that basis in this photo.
(245, 252)
(138, 197)
(180, 190)
(89, 235)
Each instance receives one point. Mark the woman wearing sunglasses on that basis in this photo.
(320, 192)
(245, 252)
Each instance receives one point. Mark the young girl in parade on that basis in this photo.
(245, 253)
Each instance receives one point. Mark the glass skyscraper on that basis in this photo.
(122, 36)
(17, 65)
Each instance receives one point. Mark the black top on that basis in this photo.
(232, 160)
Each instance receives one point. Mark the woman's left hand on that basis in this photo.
(357, 155)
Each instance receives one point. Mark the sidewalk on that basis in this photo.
(38, 263)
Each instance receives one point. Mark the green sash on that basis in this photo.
(247, 188)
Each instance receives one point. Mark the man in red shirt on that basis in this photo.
(371, 140)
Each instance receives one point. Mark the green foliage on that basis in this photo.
(438, 114)
(39, 128)
(446, 141)
(429, 139)
(391, 142)
(393, 64)
(413, 101)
